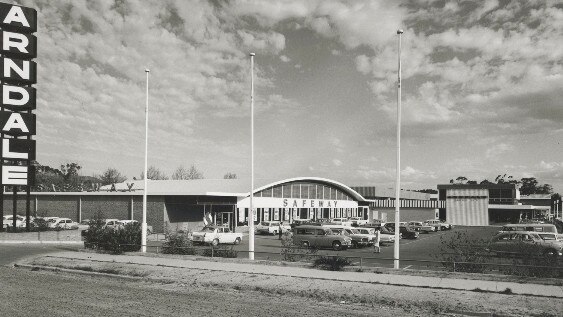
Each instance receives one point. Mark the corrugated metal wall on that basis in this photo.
(467, 207)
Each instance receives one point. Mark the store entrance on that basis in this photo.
(226, 219)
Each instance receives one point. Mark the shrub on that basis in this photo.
(331, 263)
(293, 253)
(220, 252)
(114, 240)
(178, 243)
(460, 253)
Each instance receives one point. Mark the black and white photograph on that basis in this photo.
(281, 158)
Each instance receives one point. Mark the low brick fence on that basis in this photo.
(63, 235)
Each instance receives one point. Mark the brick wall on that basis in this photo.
(111, 206)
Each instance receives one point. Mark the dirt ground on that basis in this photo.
(357, 298)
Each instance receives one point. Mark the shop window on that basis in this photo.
(326, 193)
(312, 191)
(305, 191)
(286, 191)
(267, 192)
(277, 192)
(295, 191)
(333, 194)
(340, 195)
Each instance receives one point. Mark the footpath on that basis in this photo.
(555, 291)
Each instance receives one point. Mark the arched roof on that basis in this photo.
(352, 193)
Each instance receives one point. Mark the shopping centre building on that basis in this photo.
(487, 204)
(182, 204)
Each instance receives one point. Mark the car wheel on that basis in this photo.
(305, 244)
(275, 233)
(215, 242)
(237, 241)
(354, 244)
(336, 245)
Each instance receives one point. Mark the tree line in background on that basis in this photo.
(528, 185)
(67, 178)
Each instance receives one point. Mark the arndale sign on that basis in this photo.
(18, 73)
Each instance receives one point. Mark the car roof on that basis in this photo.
(313, 227)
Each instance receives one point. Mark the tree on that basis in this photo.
(111, 176)
(154, 174)
(230, 176)
(191, 173)
(530, 186)
(69, 170)
(504, 179)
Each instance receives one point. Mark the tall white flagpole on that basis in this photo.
(398, 181)
(251, 209)
(144, 223)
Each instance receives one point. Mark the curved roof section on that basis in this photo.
(352, 193)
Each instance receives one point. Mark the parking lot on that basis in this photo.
(421, 253)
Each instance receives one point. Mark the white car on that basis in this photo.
(9, 220)
(271, 227)
(63, 223)
(112, 223)
(215, 235)
(358, 221)
(123, 223)
(341, 221)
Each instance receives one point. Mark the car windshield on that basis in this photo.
(354, 231)
(264, 223)
(208, 229)
(52, 220)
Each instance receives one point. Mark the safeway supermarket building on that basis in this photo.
(182, 204)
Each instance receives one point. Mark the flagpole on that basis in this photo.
(144, 220)
(398, 180)
(251, 209)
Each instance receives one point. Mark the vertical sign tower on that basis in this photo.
(18, 46)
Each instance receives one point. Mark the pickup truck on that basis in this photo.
(215, 235)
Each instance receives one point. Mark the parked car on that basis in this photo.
(434, 223)
(63, 223)
(111, 222)
(386, 236)
(341, 221)
(299, 222)
(408, 233)
(423, 227)
(271, 227)
(216, 235)
(358, 221)
(359, 239)
(9, 221)
(123, 223)
(311, 236)
(524, 243)
(84, 224)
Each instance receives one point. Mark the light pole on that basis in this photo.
(398, 180)
(251, 209)
(144, 223)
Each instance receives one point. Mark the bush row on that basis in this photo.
(113, 240)
(179, 243)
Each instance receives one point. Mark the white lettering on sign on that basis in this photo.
(16, 40)
(14, 175)
(8, 92)
(10, 65)
(15, 122)
(16, 15)
(6, 153)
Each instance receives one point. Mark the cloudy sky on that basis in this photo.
(482, 88)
